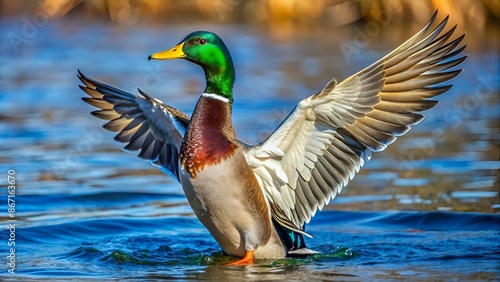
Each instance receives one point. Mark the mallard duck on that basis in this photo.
(256, 200)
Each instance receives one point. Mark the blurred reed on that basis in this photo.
(476, 15)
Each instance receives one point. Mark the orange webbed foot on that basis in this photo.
(247, 260)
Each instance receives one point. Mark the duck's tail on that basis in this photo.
(293, 242)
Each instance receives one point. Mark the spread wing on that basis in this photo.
(327, 138)
(144, 123)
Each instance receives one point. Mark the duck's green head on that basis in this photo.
(207, 50)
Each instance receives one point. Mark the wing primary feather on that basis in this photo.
(91, 92)
(105, 114)
(318, 191)
(98, 103)
(329, 182)
(117, 124)
(438, 68)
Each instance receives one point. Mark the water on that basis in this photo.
(151, 238)
(426, 208)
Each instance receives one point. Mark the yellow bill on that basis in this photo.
(172, 53)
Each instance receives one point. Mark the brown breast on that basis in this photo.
(209, 137)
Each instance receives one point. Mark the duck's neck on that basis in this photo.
(210, 136)
(222, 84)
(220, 75)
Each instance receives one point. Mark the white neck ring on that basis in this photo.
(216, 97)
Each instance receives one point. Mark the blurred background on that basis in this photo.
(284, 50)
(476, 15)
(95, 205)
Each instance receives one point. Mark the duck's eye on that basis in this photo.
(202, 41)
